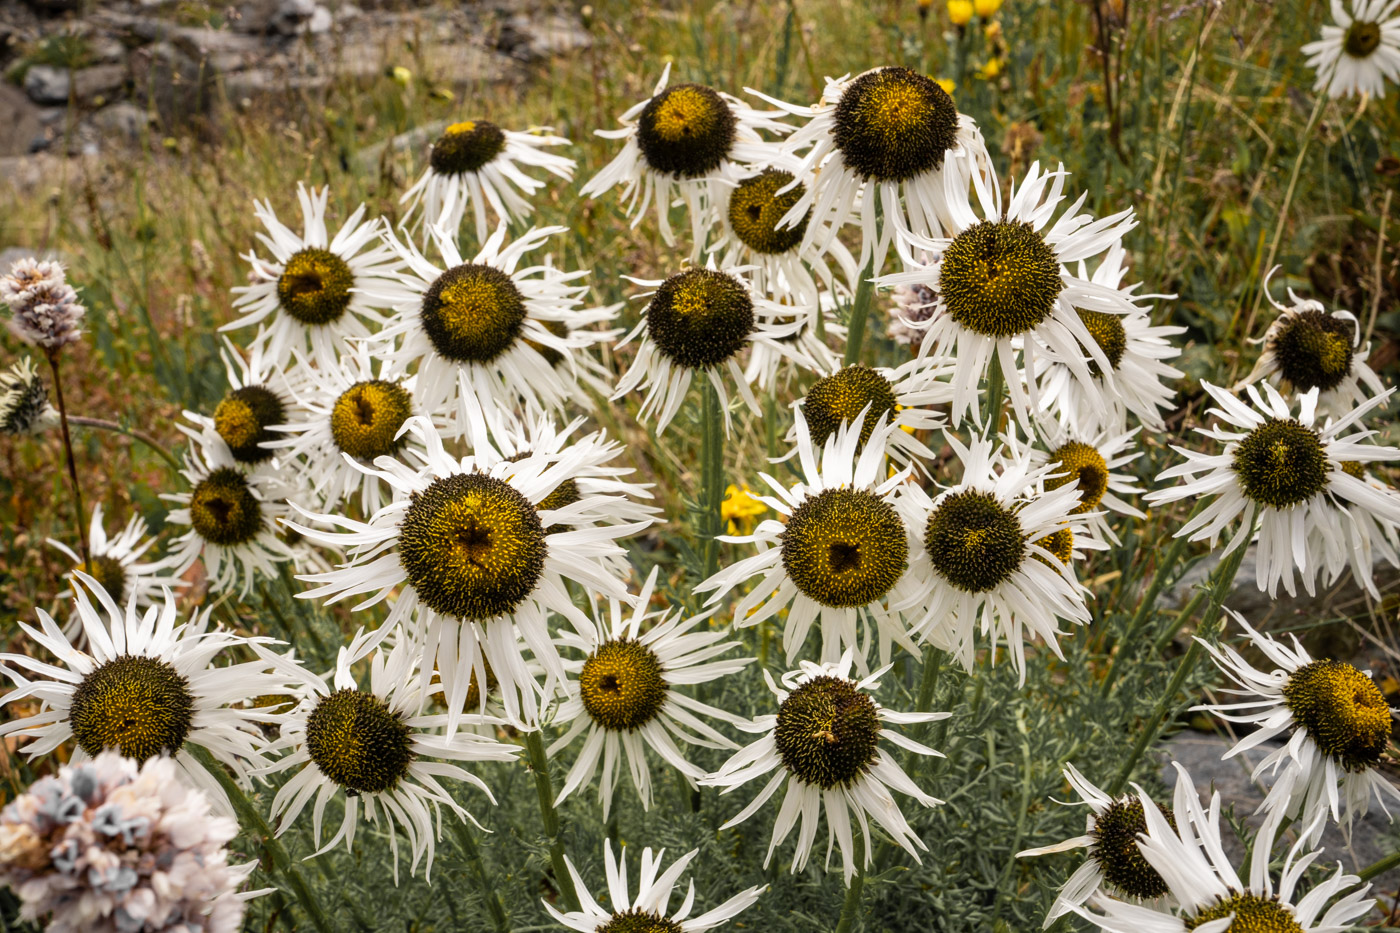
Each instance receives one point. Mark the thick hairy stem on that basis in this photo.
(81, 513)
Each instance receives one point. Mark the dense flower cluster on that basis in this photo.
(109, 847)
(397, 434)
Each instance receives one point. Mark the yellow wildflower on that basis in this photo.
(986, 8)
(960, 12)
(740, 508)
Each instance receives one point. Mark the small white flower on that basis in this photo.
(1291, 475)
(488, 327)
(905, 396)
(1094, 460)
(476, 164)
(892, 137)
(117, 565)
(1111, 831)
(827, 741)
(1210, 895)
(1137, 351)
(315, 293)
(1360, 52)
(784, 264)
(650, 910)
(686, 142)
(1004, 291)
(1308, 348)
(697, 323)
(376, 745)
(341, 418)
(145, 686)
(840, 555)
(233, 513)
(985, 556)
(44, 308)
(1334, 723)
(623, 695)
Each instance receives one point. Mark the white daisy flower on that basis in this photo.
(233, 513)
(1308, 348)
(784, 264)
(826, 741)
(145, 686)
(1095, 460)
(1004, 290)
(316, 290)
(1136, 350)
(377, 746)
(1360, 52)
(842, 552)
(904, 396)
(1285, 471)
(1111, 831)
(476, 164)
(341, 417)
(1333, 720)
(892, 137)
(257, 399)
(117, 565)
(623, 697)
(682, 143)
(698, 322)
(987, 556)
(469, 557)
(488, 327)
(650, 911)
(1210, 895)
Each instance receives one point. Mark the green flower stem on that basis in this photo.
(711, 477)
(860, 311)
(72, 464)
(258, 829)
(544, 787)
(1380, 867)
(1222, 578)
(488, 893)
(852, 905)
(102, 424)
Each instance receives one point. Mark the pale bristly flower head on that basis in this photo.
(113, 846)
(24, 401)
(44, 308)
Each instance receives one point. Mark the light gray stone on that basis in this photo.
(99, 82)
(1372, 837)
(47, 84)
(20, 117)
(292, 16)
(123, 121)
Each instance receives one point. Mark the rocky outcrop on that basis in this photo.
(106, 72)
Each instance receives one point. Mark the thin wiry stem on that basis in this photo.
(102, 424)
(72, 464)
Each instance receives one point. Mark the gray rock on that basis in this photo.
(123, 121)
(527, 39)
(292, 17)
(1372, 837)
(46, 84)
(183, 89)
(18, 113)
(102, 82)
(320, 22)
